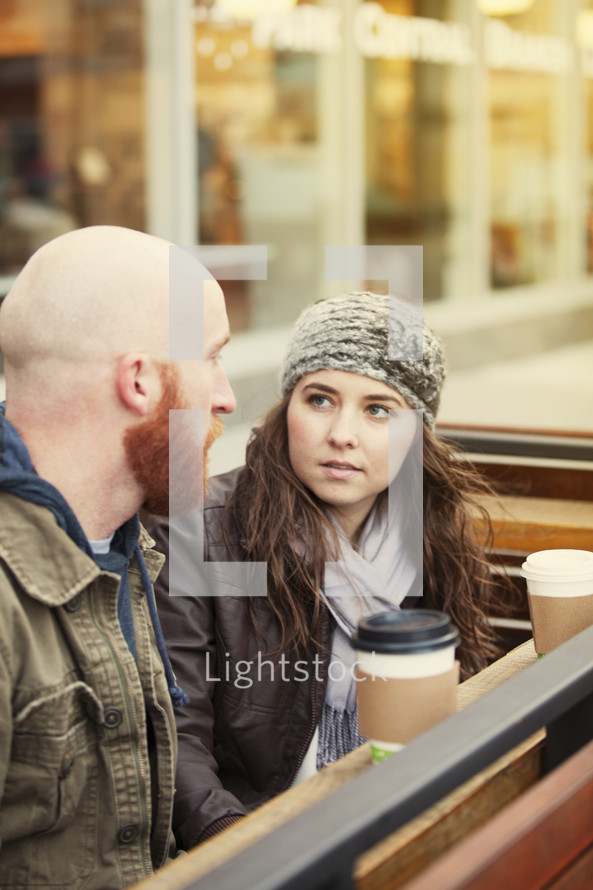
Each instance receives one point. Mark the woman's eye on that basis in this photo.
(378, 411)
(318, 401)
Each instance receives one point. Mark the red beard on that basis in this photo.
(147, 446)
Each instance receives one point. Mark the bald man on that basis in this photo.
(87, 736)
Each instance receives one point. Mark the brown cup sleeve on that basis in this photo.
(398, 709)
(555, 619)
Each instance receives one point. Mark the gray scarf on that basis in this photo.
(375, 577)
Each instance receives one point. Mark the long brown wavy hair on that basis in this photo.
(277, 513)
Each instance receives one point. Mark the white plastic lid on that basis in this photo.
(558, 565)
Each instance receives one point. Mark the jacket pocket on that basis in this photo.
(49, 810)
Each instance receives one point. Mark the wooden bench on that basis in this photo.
(543, 839)
(544, 481)
(525, 524)
(522, 525)
(544, 486)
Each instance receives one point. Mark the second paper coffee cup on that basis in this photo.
(560, 595)
(406, 676)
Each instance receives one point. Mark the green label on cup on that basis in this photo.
(381, 751)
(378, 755)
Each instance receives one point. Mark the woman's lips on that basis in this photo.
(338, 470)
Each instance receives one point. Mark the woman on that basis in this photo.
(337, 482)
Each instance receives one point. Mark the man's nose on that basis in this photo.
(224, 401)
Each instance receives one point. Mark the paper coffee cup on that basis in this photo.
(560, 595)
(406, 676)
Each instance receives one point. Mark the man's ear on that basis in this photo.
(137, 383)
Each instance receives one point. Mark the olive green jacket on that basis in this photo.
(82, 804)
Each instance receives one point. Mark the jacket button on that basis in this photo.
(112, 717)
(127, 834)
(74, 604)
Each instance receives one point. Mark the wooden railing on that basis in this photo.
(543, 840)
(373, 828)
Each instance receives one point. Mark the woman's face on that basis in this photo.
(339, 430)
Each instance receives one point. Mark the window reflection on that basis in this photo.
(71, 121)
(419, 157)
(256, 113)
(526, 205)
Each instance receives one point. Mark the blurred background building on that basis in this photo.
(464, 126)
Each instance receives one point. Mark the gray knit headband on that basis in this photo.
(350, 332)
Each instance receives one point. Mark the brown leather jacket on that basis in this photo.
(243, 736)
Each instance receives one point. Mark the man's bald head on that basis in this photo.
(92, 294)
(85, 333)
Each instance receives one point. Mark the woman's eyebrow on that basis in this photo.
(382, 397)
(321, 386)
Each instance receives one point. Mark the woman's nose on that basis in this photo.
(343, 432)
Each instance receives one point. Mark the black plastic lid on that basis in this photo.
(408, 631)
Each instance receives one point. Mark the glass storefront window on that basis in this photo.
(71, 121)
(527, 146)
(419, 158)
(258, 148)
(457, 125)
(584, 36)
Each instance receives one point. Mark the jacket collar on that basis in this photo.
(45, 560)
(153, 560)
